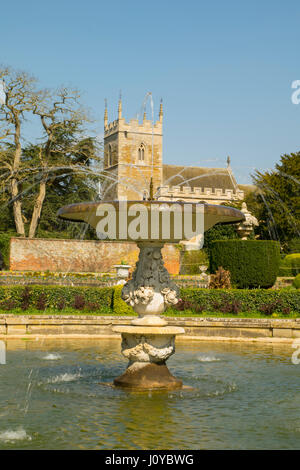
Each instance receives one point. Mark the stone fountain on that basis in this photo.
(148, 342)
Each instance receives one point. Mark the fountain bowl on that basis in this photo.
(178, 215)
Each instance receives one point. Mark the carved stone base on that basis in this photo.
(147, 348)
(145, 376)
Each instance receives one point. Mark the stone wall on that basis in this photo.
(225, 329)
(42, 254)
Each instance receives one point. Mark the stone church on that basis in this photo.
(133, 155)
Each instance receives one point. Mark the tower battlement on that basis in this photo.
(120, 125)
(187, 193)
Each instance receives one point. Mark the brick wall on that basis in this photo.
(42, 254)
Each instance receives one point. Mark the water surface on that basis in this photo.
(245, 396)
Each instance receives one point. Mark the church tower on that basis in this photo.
(132, 155)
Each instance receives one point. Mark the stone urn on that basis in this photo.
(122, 271)
(204, 277)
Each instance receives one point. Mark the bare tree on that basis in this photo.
(63, 146)
(20, 98)
(62, 120)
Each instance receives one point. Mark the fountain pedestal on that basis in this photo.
(148, 342)
(147, 349)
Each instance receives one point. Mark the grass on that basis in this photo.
(169, 313)
(248, 314)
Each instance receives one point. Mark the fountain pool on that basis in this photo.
(245, 396)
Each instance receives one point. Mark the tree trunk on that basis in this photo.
(17, 208)
(36, 215)
(17, 205)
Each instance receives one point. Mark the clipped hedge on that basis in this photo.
(290, 265)
(296, 282)
(96, 299)
(118, 305)
(283, 301)
(252, 263)
(101, 300)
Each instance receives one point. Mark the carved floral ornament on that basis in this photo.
(150, 276)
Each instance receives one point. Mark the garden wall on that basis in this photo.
(42, 254)
(233, 329)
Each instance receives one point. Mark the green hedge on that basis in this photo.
(282, 301)
(290, 265)
(294, 245)
(252, 263)
(108, 299)
(57, 297)
(296, 282)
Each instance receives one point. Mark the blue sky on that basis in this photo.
(223, 68)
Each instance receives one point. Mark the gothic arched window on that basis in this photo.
(110, 159)
(141, 153)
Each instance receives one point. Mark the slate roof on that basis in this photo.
(199, 177)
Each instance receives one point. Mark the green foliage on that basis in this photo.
(219, 232)
(285, 300)
(56, 297)
(276, 203)
(119, 306)
(296, 281)
(191, 260)
(290, 265)
(294, 245)
(100, 300)
(107, 300)
(251, 263)
(5, 246)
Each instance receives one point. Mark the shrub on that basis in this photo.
(25, 298)
(118, 305)
(92, 306)
(220, 280)
(290, 265)
(79, 302)
(8, 304)
(57, 297)
(251, 263)
(5, 246)
(296, 282)
(41, 303)
(108, 299)
(242, 300)
(269, 309)
(183, 305)
(228, 307)
(61, 304)
(294, 245)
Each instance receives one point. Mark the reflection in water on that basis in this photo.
(56, 394)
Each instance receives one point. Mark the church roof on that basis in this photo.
(199, 177)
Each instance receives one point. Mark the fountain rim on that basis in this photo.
(210, 209)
